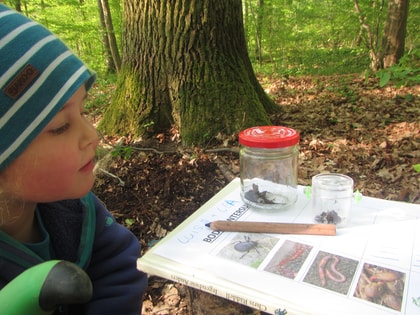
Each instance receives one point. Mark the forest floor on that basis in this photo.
(347, 125)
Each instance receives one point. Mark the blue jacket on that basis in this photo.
(84, 232)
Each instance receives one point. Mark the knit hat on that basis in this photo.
(38, 75)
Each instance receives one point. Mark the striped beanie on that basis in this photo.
(38, 75)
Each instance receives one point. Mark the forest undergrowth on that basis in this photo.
(347, 125)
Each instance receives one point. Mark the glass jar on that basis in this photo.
(332, 196)
(268, 166)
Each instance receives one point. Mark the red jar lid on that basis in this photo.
(269, 137)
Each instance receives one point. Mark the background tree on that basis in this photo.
(372, 26)
(112, 55)
(305, 37)
(393, 41)
(185, 63)
(387, 49)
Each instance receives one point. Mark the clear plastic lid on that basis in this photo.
(332, 181)
(269, 137)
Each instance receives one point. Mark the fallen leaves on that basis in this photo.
(356, 128)
(347, 125)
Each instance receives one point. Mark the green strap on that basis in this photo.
(88, 230)
(14, 250)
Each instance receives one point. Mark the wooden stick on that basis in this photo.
(271, 227)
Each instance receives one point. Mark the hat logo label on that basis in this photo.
(21, 81)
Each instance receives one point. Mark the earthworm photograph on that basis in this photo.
(381, 286)
(289, 259)
(332, 272)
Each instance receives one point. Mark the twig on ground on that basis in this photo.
(121, 182)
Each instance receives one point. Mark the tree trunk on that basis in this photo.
(110, 42)
(17, 5)
(372, 33)
(110, 65)
(258, 31)
(393, 41)
(186, 63)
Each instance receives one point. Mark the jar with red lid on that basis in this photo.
(269, 166)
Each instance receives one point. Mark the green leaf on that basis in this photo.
(129, 222)
(384, 78)
(417, 167)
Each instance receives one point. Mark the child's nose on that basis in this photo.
(89, 136)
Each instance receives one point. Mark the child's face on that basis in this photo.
(58, 164)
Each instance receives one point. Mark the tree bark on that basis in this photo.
(393, 41)
(258, 30)
(186, 63)
(110, 42)
(110, 65)
(372, 34)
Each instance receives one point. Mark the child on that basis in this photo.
(47, 148)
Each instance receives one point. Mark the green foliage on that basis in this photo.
(99, 96)
(310, 37)
(417, 168)
(316, 62)
(349, 94)
(405, 73)
(122, 151)
(76, 23)
(129, 222)
(300, 37)
(317, 37)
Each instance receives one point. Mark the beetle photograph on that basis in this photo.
(248, 248)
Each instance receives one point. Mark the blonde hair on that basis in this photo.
(8, 213)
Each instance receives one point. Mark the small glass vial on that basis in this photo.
(332, 196)
(268, 166)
